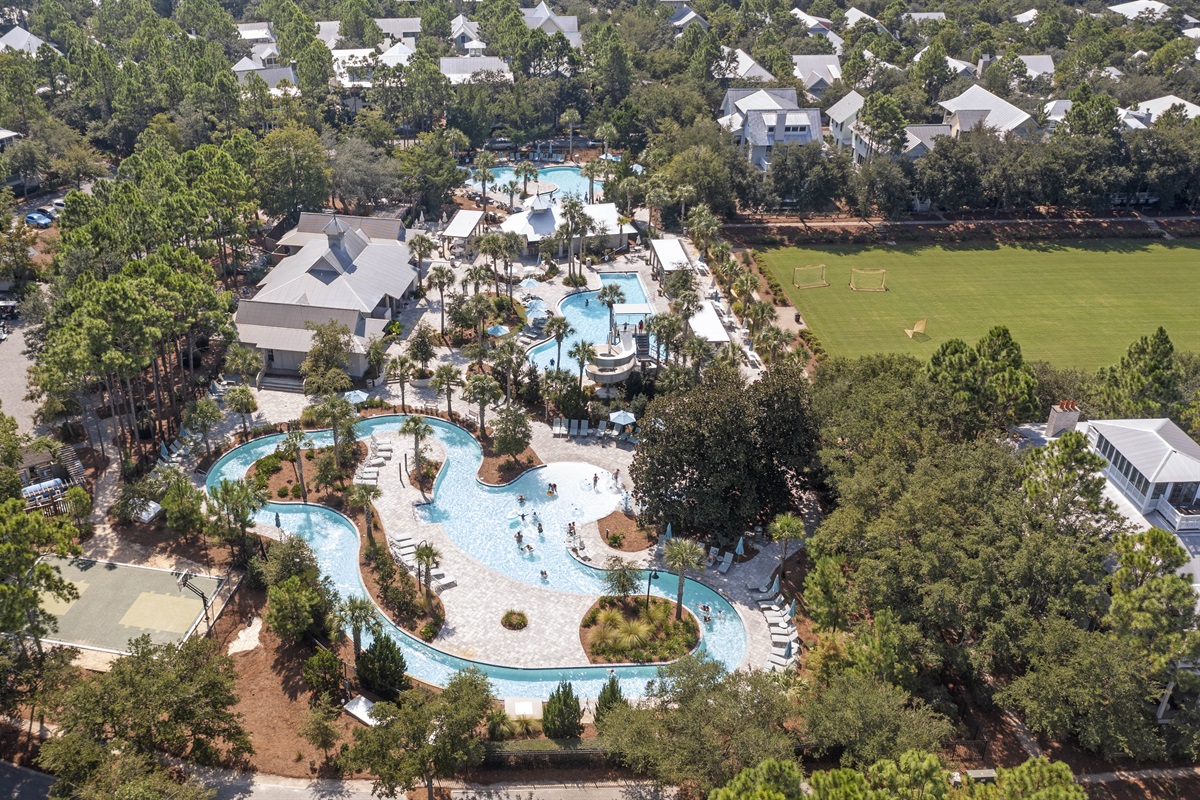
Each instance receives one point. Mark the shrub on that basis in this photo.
(296, 491)
(308, 417)
(499, 725)
(401, 599)
(562, 716)
(323, 675)
(283, 492)
(381, 668)
(610, 696)
(514, 620)
(428, 632)
(616, 539)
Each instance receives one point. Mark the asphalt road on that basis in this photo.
(18, 783)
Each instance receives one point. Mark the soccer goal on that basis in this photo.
(868, 280)
(811, 276)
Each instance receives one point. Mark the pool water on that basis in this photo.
(568, 180)
(589, 319)
(482, 521)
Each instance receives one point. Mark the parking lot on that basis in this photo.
(13, 366)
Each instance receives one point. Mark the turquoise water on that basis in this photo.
(568, 180)
(482, 521)
(589, 319)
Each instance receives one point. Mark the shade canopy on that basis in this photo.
(622, 418)
(667, 535)
(356, 396)
(741, 547)
(498, 330)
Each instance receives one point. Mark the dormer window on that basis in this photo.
(770, 129)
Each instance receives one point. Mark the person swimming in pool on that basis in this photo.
(521, 499)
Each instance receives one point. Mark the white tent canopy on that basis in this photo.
(707, 325)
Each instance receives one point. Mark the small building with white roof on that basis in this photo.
(542, 17)
(957, 66)
(1026, 18)
(22, 41)
(464, 69)
(1038, 66)
(842, 116)
(667, 256)
(739, 65)
(706, 324)
(978, 106)
(685, 16)
(817, 72)
(542, 218)
(1136, 8)
(464, 228)
(1160, 105)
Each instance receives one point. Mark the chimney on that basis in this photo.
(1063, 417)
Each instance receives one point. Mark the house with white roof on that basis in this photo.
(918, 140)
(353, 270)
(738, 65)
(21, 40)
(541, 218)
(463, 32)
(1135, 8)
(842, 116)
(1160, 105)
(256, 32)
(1038, 66)
(464, 69)
(957, 67)
(542, 17)
(856, 15)
(817, 72)
(1056, 113)
(263, 61)
(667, 256)
(978, 106)
(685, 16)
(396, 55)
(465, 227)
(352, 67)
(924, 16)
(1026, 18)
(759, 119)
(819, 26)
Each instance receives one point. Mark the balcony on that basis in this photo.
(1180, 518)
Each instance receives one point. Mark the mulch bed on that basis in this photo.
(630, 607)
(497, 470)
(287, 477)
(636, 538)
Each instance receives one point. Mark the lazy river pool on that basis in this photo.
(482, 520)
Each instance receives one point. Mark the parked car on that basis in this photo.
(49, 211)
(38, 220)
(60, 203)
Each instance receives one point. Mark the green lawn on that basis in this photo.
(1075, 306)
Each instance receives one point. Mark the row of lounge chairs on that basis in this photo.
(785, 639)
(404, 550)
(379, 453)
(582, 428)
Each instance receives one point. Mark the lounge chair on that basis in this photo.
(555, 427)
(635, 437)
(713, 554)
(583, 427)
(601, 430)
(574, 431)
(726, 563)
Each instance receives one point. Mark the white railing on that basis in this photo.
(1178, 520)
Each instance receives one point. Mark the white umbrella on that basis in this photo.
(741, 547)
(667, 535)
(622, 418)
(356, 396)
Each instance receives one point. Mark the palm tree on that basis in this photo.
(245, 362)
(441, 277)
(627, 188)
(400, 370)
(445, 379)
(482, 273)
(511, 188)
(483, 389)
(745, 287)
(335, 412)
(513, 244)
(758, 315)
(606, 132)
(241, 401)
(508, 358)
(685, 194)
(772, 341)
(361, 496)
(718, 255)
(610, 295)
(697, 351)
(582, 352)
(686, 304)
(558, 328)
(292, 448)
(592, 170)
(575, 224)
(702, 226)
(731, 355)
(421, 246)
(427, 557)
(657, 198)
(666, 328)
(527, 171)
(492, 246)
(570, 118)
(478, 307)
(357, 614)
(419, 428)
(203, 415)
(786, 527)
(680, 555)
(483, 171)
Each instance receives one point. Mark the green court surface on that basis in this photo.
(1075, 306)
(119, 602)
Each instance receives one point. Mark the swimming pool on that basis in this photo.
(482, 520)
(568, 180)
(589, 319)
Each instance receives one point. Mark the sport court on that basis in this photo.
(119, 602)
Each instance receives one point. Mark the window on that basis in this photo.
(1159, 488)
(770, 129)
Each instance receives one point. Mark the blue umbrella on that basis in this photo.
(622, 418)
(741, 547)
(498, 330)
(356, 396)
(667, 535)
(792, 609)
(775, 586)
(787, 651)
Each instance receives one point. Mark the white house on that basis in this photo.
(1160, 105)
(759, 119)
(817, 72)
(918, 140)
(1038, 66)
(856, 15)
(464, 69)
(1136, 8)
(738, 64)
(1026, 18)
(543, 18)
(256, 32)
(979, 106)
(462, 32)
(819, 26)
(957, 67)
(685, 16)
(842, 116)
(352, 270)
(23, 41)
